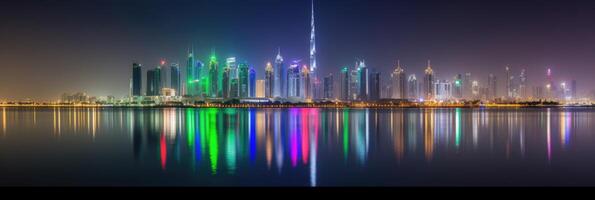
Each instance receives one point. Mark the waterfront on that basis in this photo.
(98, 146)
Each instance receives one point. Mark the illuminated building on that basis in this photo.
(252, 82)
(412, 87)
(467, 94)
(293, 76)
(306, 84)
(313, 71)
(429, 83)
(270, 78)
(168, 92)
(192, 75)
(226, 82)
(354, 83)
(137, 79)
(443, 90)
(213, 80)
(345, 84)
(280, 80)
(522, 93)
(364, 84)
(374, 86)
(399, 83)
(243, 80)
(458, 87)
(175, 77)
(573, 89)
(154, 82)
(492, 87)
(261, 89)
(328, 87)
(234, 88)
(508, 83)
(475, 90)
(538, 92)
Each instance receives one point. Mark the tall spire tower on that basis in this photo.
(313, 71)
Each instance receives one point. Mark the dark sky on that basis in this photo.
(48, 47)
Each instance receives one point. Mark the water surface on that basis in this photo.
(297, 147)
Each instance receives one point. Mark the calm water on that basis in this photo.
(297, 147)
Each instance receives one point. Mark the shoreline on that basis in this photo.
(301, 106)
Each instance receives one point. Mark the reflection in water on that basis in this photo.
(226, 141)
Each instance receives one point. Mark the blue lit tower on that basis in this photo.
(252, 82)
(191, 75)
(363, 76)
(280, 79)
(137, 79)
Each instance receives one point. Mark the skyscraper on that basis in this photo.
(137, 79)
(314, 82)
(280, 80)
(429, 83)
(270, 78)
(328, 87)
(306, 83)
(508, 83)
(443, 90)
(467, 94)
(213, 76)
(175, 77)
(374, 86)
(522, 85)
(293, 76)
(345, 84)
(251, 82)
(243, 80)
(458, 87)
(260, 89)
(154, 82)
(192, 75)
(364, 85)
(573, 89)
(226, 82)
(399, 88)
(492, 87)
(412, 87)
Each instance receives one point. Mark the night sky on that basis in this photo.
(51, 47)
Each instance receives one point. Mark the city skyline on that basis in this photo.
(91, 79)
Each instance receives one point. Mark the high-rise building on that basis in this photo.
(399, 83)
(475, 89)
(243, 80)
(251, 82)
(492, 87)
(508, 83)
(412, 87)
(260, 89)
(154, 82)
(226, 83)
(137, 79)
(306, 83)
(175, 77)
(293, 77)
(538, 92)
(374, 86)
(429, 83)
(443, 90)
(523, 85)
(270, 78)
(364, 85)
(313, 71)
(573, 89)
(354, 84)
(192, 75)
(458, 86)
(328, 87)
(213, 82)
(467, 94)
(345, 84)
(280, 80)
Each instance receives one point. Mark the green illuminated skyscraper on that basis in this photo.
(212, 83)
